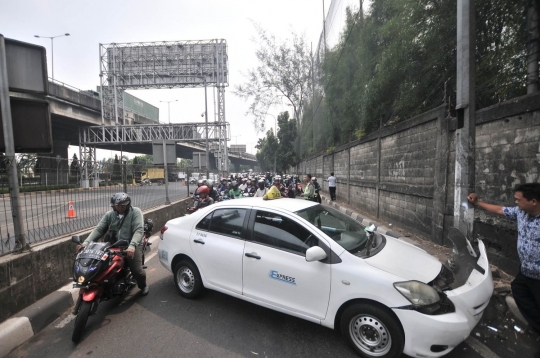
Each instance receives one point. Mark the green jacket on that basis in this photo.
(132, 229)
(235, 194)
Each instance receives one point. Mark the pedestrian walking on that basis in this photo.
(526, 285)
(332, 186)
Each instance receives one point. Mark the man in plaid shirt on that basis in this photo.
(526, 285)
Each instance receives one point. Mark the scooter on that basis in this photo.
(100, 274)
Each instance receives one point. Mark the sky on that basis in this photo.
(89, 23)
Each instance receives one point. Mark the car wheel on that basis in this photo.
(188, 279)
(372, 331)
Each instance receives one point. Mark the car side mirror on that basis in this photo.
(76, 239)
(315, 253)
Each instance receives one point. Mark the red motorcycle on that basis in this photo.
(100, 274)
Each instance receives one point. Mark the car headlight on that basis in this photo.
(418, 293)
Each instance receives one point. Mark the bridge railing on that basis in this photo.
(51, 187)
(73, 94)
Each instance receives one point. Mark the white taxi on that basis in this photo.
(313, 262)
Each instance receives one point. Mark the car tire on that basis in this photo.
(188, 279)
(372, 331)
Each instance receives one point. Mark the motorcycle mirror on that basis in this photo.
(76, 239)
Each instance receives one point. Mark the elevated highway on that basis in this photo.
(72, 109)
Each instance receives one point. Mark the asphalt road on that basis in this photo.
(45, 213)
(166, 325)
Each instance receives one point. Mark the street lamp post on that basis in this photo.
(52, 48)
(169, 108)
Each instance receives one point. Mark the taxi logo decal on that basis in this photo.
(283, 278)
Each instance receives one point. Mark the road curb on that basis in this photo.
(25, 324)
(28, 322)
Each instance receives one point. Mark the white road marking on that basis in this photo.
(480, 348)
(65, 321)
(151, 257)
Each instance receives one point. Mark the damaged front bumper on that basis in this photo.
(470, 292)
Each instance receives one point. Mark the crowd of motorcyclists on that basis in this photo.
(246, 185)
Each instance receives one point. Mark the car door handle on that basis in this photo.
(253, 256)
(199, 241)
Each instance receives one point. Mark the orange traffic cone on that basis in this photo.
(71, 211)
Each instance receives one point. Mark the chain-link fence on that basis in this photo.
(54, 204)
(395, 59)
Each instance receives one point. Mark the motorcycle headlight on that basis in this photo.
(418, 293)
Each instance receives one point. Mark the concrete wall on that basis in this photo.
(28, 277)
(405, 173)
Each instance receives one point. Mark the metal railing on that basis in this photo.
(49, 186)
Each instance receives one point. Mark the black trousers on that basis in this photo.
(332, 190)
(526, 292)
(135, 265)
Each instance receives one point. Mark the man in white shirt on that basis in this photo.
(332, 186)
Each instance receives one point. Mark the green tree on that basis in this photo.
(267, 151)
(284, 72)
(400, 61)
(286, 137)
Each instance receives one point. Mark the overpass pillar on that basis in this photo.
(236, 167)
(54, 168)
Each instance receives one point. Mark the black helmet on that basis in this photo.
(120, 199)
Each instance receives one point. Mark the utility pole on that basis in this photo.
(312, 97)
(533, 47)
(324, 26)
(206, 120)
(7, 126)
(466, 117)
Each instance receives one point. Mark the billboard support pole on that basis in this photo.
(7, 125)
(167, 201)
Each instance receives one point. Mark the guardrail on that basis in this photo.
(49, 187)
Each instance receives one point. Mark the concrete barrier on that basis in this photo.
(30, 276)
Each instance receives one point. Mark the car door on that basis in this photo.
(218, 246)
(275, 268)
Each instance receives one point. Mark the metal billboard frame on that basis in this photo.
(163, 64)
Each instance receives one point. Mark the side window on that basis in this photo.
(204, 224)
(228, 221)
(282, 233)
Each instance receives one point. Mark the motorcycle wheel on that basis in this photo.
(80, 321)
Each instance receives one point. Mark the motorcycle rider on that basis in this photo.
(279, 185)
(317, 187)
(243, 186)
(250, 190)
(223, 186)
(124, 222)
(290, 188)
(203, 198)
(213, 192)
(235, 191)
(261, 188)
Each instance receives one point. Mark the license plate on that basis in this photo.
(92, 254)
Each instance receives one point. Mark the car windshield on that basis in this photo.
(348, 233)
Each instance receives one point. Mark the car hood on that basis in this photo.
(405, 260)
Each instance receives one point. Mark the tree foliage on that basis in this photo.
(400, 60)
(278, 151)
(284, 71)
